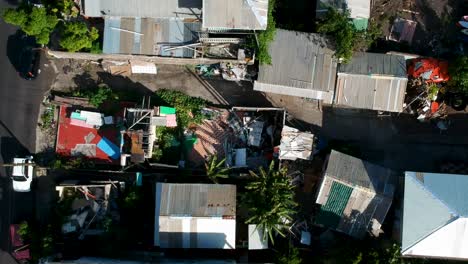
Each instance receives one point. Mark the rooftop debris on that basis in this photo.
(90, 206)
(295, 144)
(402, 30)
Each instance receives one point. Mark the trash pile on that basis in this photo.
(257, 132)
(426, 100)
(91, 206)
(426, 93)
(227, 70)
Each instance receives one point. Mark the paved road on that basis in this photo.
(19, 108)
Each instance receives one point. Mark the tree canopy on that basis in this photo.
(216, 169)
(34, 21)
(77, 36)
(347, 38)
(270, 201)
(267, 36)
(458, 71)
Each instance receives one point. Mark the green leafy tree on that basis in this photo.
(215, 169)
(62, 7)
(267, 36)
(33, 21)
(270, 201)
(338, 25)
(290, 257)
(458, 71)
(347, 38)
(77, 36)
(188, 107)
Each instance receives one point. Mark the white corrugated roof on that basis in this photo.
(359, 8)
(450, 241)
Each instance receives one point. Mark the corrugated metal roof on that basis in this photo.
(423, 212)
(300, 61)
(295, 144)
(198, 200)
(365, 63)
(372, 81)
(195, 215)
(450, 241)
(357, 172)
(143, 8)
(149, 36)
(370, 199)
(330, 213)
(235, 14)
(368, 92)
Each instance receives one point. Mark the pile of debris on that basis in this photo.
(258, 131)
(426, 88)
(91, 206)
(227, 70)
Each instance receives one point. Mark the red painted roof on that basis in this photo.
(69, 135)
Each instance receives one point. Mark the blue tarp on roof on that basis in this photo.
(109, 148)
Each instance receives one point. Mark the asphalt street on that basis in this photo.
(19, 107)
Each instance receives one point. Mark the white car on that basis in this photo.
(22, 174)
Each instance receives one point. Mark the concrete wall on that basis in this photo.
(154, 59)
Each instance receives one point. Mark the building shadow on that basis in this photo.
(16, 45)
(397, 141)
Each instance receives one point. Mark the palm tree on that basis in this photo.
(215, 169)
(270, 201)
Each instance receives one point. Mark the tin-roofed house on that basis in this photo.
(372, 81)
(435, 216)
(195, 216)
(302, 65)
(354, 196)
(235, 14)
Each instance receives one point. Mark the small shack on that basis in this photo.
(372, 81)
(302, 64)
(354, 195)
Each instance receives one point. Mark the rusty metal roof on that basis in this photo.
(302, 65)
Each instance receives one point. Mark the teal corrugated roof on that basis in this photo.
(423, 212)
(360, 23)
(452, 189)
(330, 213)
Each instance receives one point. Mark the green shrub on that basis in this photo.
(347, 39)
(458, 71)
(188, 109)
(267, 36)
(76, 36)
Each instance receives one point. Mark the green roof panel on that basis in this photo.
(360, 23)
(330, 213)
(167, 110)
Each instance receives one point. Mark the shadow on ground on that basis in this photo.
(16, 45)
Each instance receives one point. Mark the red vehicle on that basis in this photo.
(20, 250)
(430, 69)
